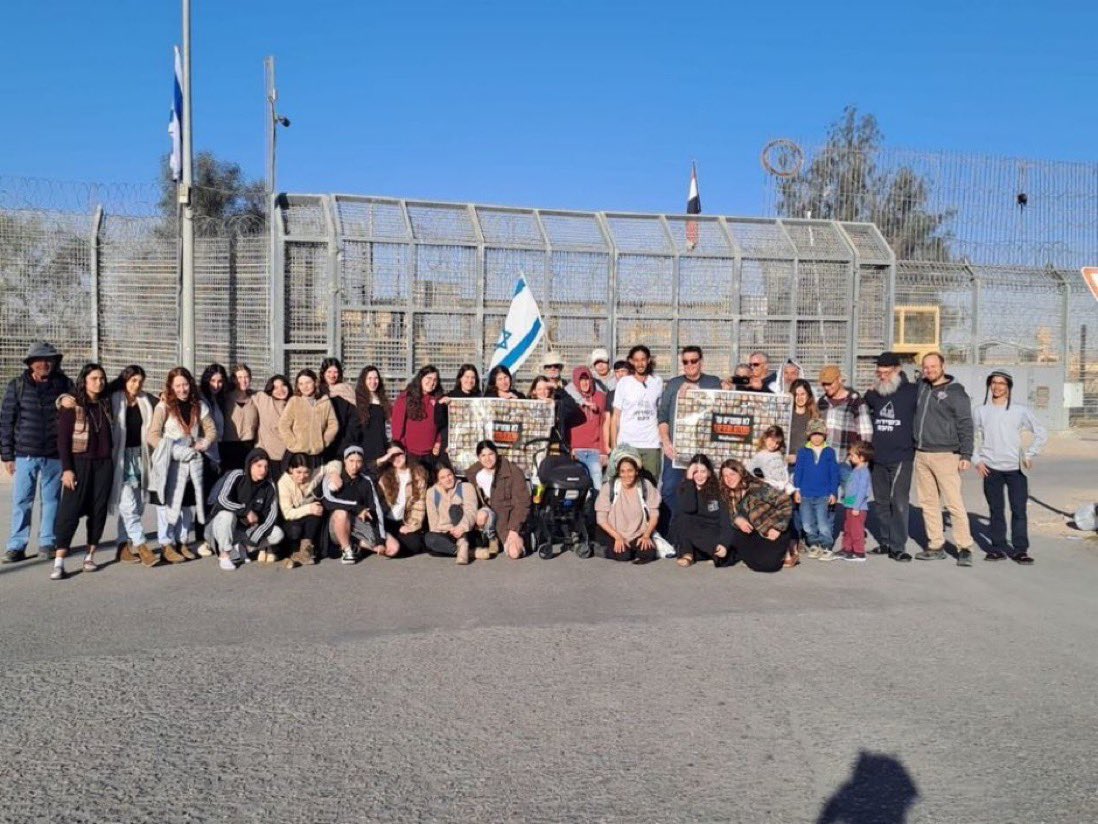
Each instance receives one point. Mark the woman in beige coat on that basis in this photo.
(308, 423)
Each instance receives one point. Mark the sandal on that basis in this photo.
(685, 560)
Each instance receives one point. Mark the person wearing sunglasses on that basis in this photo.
(761, 378)
(692, 377)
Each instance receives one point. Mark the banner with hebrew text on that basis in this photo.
(519, 430)
(724, 424)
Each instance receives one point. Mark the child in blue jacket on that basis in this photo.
(816, 477)
(856, 502)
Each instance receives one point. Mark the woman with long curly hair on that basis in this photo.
(403, 484)
(701, 512)
(372, 410)
(182, 430)
(415, 422)
(85, 447)
(756, 530)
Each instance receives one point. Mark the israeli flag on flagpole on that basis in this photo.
(522, 330)
(175, 124)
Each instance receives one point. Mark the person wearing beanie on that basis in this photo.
(605, 379)
(816, 482)
(356, 518)
(943, 449)
(28, 448)
(891, 403)
(1002, 461)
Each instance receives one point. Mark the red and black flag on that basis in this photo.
(693, 207)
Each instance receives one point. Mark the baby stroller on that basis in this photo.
(559, 510)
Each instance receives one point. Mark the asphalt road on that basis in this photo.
(564, 690)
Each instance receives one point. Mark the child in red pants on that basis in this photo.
(856, 502)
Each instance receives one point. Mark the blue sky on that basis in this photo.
(564, 104)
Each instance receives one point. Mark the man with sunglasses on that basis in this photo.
(692, 377)
(762, 379)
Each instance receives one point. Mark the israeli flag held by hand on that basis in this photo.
(522, 330)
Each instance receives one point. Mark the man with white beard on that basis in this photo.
(891, 403)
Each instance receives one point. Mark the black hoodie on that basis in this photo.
(236, 492)
(893, 422)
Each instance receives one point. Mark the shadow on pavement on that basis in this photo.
(879, 791)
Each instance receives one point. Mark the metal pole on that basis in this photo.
(97, 224)
(272, 133)
(186, 331)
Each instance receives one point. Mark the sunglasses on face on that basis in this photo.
(555, 366)
(755, 365)
(690, 361)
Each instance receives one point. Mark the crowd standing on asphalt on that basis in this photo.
(316, 467)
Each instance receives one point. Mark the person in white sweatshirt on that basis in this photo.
(1002, 461)
(770, 460)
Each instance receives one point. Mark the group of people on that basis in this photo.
(296, 470)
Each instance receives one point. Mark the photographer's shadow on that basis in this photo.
(879, 791)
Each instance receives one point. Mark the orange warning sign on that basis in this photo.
(1090, 277)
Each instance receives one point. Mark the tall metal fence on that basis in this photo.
(399, 283)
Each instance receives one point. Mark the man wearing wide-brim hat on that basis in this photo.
(28, 447)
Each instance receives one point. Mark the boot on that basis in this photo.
(171, 554)
(145, 555)
(187, 552)
(462, 552)
(304, 554)
(493, 546)
(125, 554)
(289, 563)
(262, 557)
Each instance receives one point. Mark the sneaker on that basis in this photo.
(58, 574)
(349, 556)
(903, 557)
(226, 563)
(931, 555)
(14, 556)
(90, 566)
(829, 555)
(47, 553)
(856, 557)
(881, 550)
(995, 555)
(204, 550)
(964, 557)
(1022, 558)
(814, 552)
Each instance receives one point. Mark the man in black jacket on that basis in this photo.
(891, 403)
(28, 447)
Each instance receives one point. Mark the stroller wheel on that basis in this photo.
(584, 550)
(545, 551)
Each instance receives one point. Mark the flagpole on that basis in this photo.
(186, 298)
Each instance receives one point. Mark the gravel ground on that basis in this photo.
(564, 690)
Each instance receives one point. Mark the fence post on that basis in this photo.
(676, 275)
(734, 294)
(97, 223)
(612, 287)
(276, 309)
(854, 328)
(482, 279)
(974, 342)
(335, 293)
